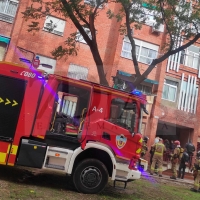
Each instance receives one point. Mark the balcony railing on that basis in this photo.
(8, 10)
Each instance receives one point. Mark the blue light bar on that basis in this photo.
(136, 92)
(24, 60)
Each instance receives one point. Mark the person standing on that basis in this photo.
(156, 140)
(190, 149)
(183, 163)
(158, 156)
(144, 146)
(152, 150)
(167, 144)
(143, 152)
(175, 159)
(172, 146)
(197, 178)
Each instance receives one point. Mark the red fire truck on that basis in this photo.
(75, 127)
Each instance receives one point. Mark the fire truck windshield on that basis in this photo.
(123, 114)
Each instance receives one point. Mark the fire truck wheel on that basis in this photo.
(90, 176)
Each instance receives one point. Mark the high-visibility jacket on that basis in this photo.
(176, 153)
(159, 149)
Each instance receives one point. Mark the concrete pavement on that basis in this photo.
(146, 174)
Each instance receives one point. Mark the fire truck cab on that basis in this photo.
(75, 127)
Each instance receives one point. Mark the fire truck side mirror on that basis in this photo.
(144, 108)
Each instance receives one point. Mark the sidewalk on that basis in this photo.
(166, 176)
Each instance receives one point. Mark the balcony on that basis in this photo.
(6, 18)
(8, 10)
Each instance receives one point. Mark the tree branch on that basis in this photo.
(165, 56)
(169, 53)
(167, 27)
(133, 53)
(80, 16)
(69, 10)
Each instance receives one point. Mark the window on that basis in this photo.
(145, 52)
(169, 90)
(185, 8)
(79, 37)
(145, 13)
(54, 25)
(182, 59)
(144, 89)
(123, 114)
(4, 41)
(149, 16)
(71, 110)
(8, 10)
(3, 47)
(67, 105)
(47, 64)
(94, 2)
(190, 57)
(77, 72)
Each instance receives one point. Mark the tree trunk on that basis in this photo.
(142, 77)
(99, 64)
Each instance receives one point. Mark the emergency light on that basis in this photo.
(136, 92)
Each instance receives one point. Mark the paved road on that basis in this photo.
(167, 177)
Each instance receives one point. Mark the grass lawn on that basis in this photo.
(19, 184)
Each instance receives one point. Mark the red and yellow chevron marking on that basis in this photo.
(13, 150)
(4, 151)
(3, 157)
(7, 151)
(12, 156)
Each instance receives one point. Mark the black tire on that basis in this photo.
(90, 176)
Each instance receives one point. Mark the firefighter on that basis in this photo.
(152, 153)
(158, 156)
(190, 149)
(197, 178)
(184, 159)
(144, 146)
(175, 159)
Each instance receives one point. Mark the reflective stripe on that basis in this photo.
(158, 153)
(3, 157)
(10, 164)
(14, 150)
(140, 141)
(38, 136)
(138, 151)
(8, 148)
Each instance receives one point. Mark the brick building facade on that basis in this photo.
(173, 97)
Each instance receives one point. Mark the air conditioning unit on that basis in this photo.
(159, 29)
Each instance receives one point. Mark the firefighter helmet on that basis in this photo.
(145, 139)
(156, 140)
(177, 142)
